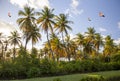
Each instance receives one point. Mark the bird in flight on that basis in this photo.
(9, 14)
(101, 14)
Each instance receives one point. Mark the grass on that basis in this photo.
(73, 77)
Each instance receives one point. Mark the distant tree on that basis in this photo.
(108, 46)
(98, 42)
(33, 35)
(2, 45)
(14, 39)
(89, 41)
(62, 24)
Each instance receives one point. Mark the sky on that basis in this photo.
(79, 11)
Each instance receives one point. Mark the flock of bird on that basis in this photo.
(100, 15)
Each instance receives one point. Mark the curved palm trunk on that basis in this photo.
(26, 45)
(50, 47)
(2, 55)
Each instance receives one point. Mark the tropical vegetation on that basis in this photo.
(61, 54)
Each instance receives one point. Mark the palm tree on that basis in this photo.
(2, 45)
(14, 39)
(34, 35)
(89, 40)
(68, 46)
(27, 21)
(79, 39)
(87, 48)
(90, 34)
(98, 41)
(46, 21)
(108, 46)
(62, 24)
(56, 46)
(6, 44)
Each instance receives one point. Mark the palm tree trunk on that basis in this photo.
(25, 45)
(2, 56)
(14, 52)
(50, 47)
(62, 37)
(68, 53)
(32, 47)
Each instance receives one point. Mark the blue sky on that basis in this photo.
(78, 10)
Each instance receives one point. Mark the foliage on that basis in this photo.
(93, 78)
(83, 52)
(33, 72)
(57, 79)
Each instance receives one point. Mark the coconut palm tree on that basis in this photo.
(56, 46)
(108, 46)
(87, 48)
(90, 34)
(14, 39)
(46, 21)
(98, 42)
(27, 21)
(67, 47)
(34, 35)
(79, 39)
(89, 40)
(62, 24)
(2, 45)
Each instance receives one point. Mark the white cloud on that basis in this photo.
(118, 24)
(6, 28)
(32, 3)
(74, 3)
(74, 8)
(102, 29)
(117, 41)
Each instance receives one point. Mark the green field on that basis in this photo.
(74, 77)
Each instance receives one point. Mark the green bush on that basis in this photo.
(87, 65)
(33, 72)
(115, 78)
(69, 67)
(93, 78)
(12, 71)
(57, 79)
(116, 58)
(78, 66)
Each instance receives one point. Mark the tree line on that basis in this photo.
(59, 43)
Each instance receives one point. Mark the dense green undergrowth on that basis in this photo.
(28, 66)
(31, 68)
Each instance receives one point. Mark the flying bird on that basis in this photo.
(101, 14)
(89, 19)
(9, 14)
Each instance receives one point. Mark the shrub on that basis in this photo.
(93, 78)
(115, 78)
(116, 58)
(33, 72)
(69, 67)
(78, 66)
(57, 79)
